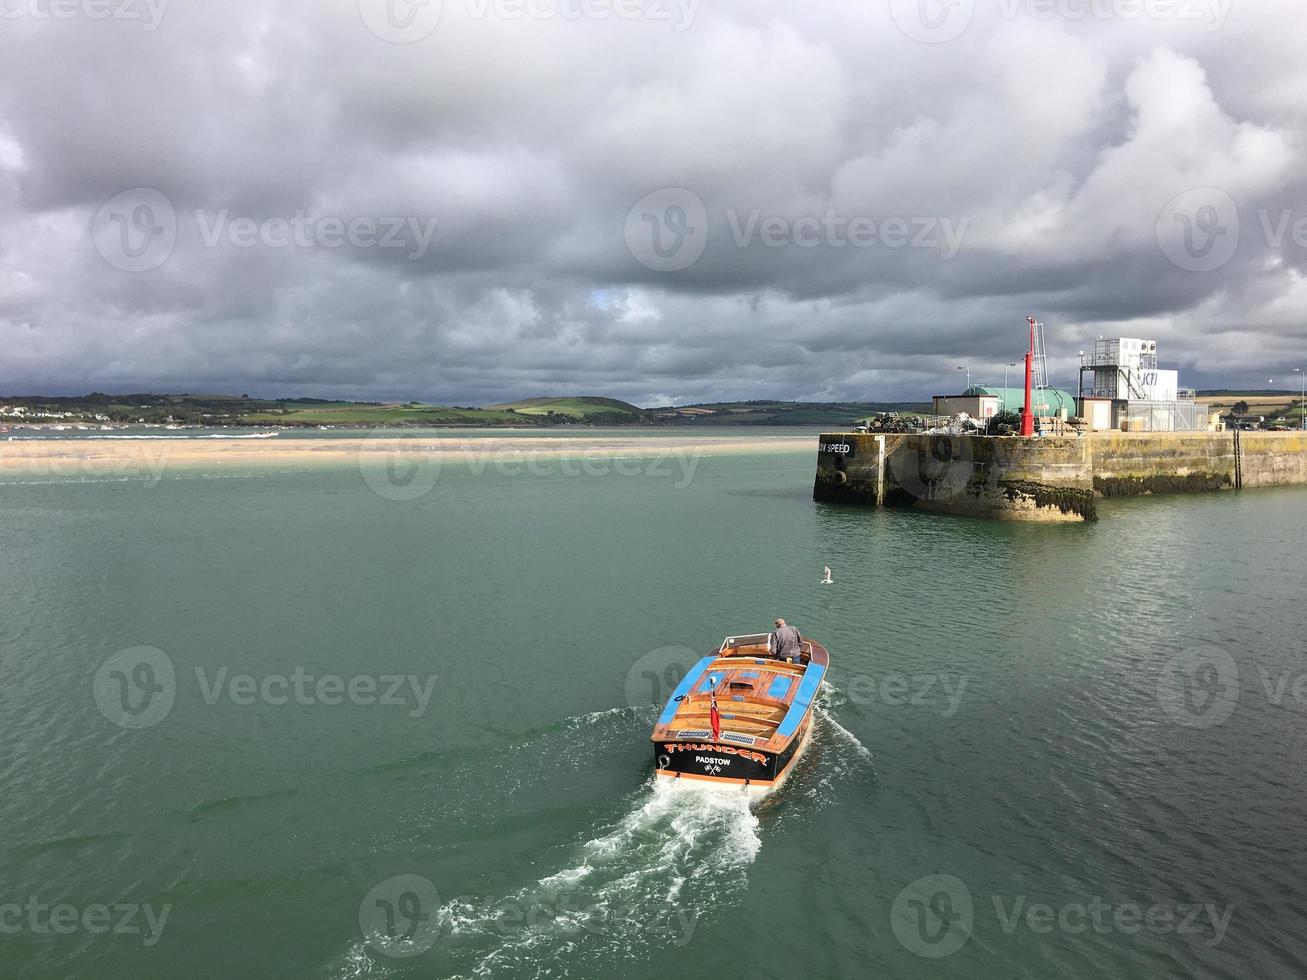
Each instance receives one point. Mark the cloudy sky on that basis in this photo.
(657, 200)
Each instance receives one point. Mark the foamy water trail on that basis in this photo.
(642, 883)
(646, 883)
(837, 756)
(827, 719)
(829, 697)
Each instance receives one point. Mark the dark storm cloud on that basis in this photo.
(837, 200)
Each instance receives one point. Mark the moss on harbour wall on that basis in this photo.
(1047, 479)
(1138, 486)
(1136, 463)
(1068, 500)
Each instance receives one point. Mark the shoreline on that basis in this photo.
(152, 457)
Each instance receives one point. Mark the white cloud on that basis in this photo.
(1058, 141)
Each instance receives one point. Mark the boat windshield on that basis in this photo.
(755, 644)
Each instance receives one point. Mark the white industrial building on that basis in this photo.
(1127, 390)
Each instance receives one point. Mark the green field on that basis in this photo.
(607, 411)
(409, 414)
(835, 414)
(1276, 406)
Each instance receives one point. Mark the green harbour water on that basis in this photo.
(279, 724)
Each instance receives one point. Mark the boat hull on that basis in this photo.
(729, 768)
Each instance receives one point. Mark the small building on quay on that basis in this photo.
(984, 402)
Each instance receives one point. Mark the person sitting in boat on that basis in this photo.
(786, 644)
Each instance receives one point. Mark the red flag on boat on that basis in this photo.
(715, 719)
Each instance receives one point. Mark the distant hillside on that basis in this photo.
(224, 410)
(1276, 406)
(596, 411)
(780, 413)
(220, 410)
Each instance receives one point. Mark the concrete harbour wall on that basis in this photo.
(1048, 479)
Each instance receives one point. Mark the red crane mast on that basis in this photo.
(1027, 411)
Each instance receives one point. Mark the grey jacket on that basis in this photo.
(785, 642)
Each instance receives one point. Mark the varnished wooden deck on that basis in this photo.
(744, 678)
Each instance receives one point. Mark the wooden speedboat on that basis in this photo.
(740, 718)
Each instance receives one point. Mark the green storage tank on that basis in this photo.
(1048, 401)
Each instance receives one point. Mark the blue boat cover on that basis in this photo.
(683, 688)
(749, 674)
(802, 700)
(711, 681)
(780, 687)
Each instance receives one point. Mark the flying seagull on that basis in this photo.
(827, 580)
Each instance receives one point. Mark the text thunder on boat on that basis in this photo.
(740, 718)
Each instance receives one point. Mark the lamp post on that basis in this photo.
(1010, 364)
(967, 368)
(1302, 404)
